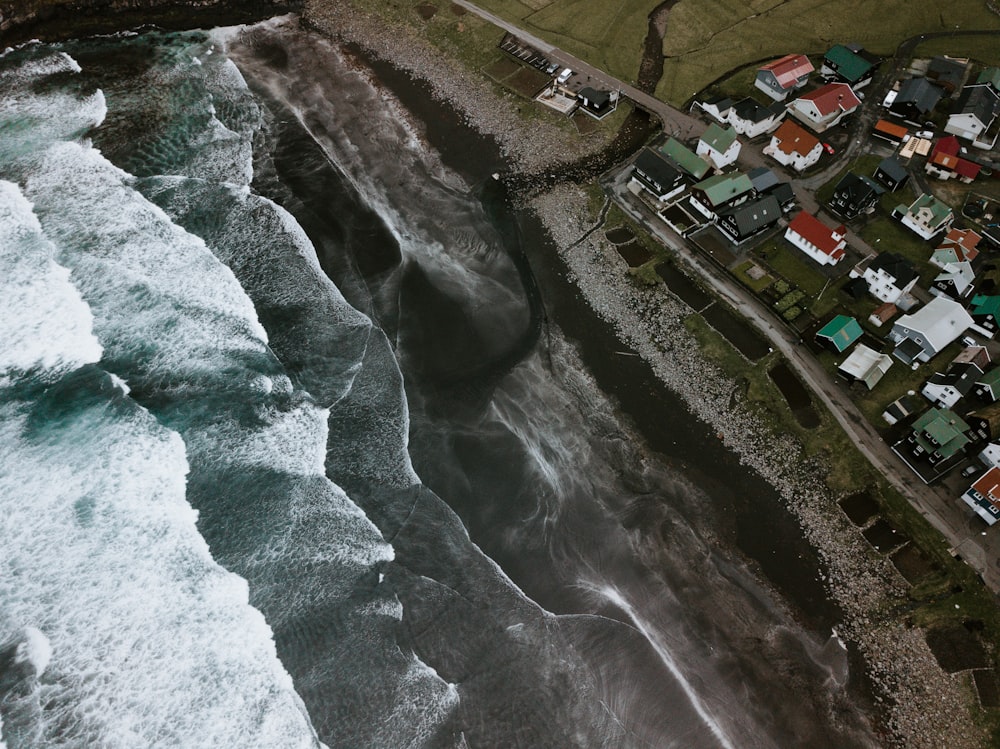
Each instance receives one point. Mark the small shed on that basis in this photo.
(891, 173)
(865, 365)
(840, 333)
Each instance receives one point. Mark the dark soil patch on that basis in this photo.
(683, 287)
(956, 648)
(860, 508)
(528, 82)
(585, 124)
(427, 11)
(986, 685)
(912, 565)
(619, 235)
(737, 332)
(634, 253)
(884, 536)
(501, 69)
(458, 10)
(795, 394)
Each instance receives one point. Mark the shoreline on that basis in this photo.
(921, 704)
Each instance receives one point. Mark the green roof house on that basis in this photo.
(840, 333)
(848, 64)
(686, 159)
(985, 311)
(987, 386)
(721, 191)
(938, 434)
(926, 216)
(719, 146)
(990, 76)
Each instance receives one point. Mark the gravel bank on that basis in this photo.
(924, 706)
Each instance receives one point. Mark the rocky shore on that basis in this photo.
(922, 705)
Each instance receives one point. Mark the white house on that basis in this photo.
(945, 389)
(719, 146)
(955, 280)
(817, 240)
(778, 78)
(825, 107)
(975, 112)
(926, 216)
(889, 276)
(922, 335)
(792, 146)
(717, 108)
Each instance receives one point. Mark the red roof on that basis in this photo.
(794, 139)
(884, 311)
(988, 485)
(789, 69)
(945, 155)
(833, 97)
(818, 234)
(947, 145)
(967, 169)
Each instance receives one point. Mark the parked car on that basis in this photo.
(828, 148)
(564, 75)
(925, 134)
(970, 471)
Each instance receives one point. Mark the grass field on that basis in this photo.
(705, 39)
(984, 49)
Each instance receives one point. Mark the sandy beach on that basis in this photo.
(922, 705)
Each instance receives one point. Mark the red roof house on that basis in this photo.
(824, 245)
(793, 146)
(945, 163)
(958, 246)
(777, 78)
(825, 107)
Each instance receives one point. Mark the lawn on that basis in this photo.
(793, 266)
(984, 49)
(706, 40)
(885, 234)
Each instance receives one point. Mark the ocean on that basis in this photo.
(305, 442)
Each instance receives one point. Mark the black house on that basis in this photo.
(657, 175)
(750, 219)
(597, 103)
(916, 98)
(854, 195)
(891, 173)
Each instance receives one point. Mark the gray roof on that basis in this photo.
(783, 192)
(920, 92)
(763, 179)
(896, 266)
(947, 70)
(981, 101)
(891, 166)
(755, 215)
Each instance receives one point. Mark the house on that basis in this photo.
(719, 146)
(947, 72)
(915, 99)
(778, 78)
(657, 175)
(817, 240)
(975, 112)
(926, 217)
(945, 389)
(901, 408)
(990, 456)
(825, 107)
(839, 333)
(792, 146)
(945, 163)
(865, 365)
(889, 276)
(684, 158)
(598, 104)
(959, 245)
(954, 281)
(715, 194)
(766, 182)
(746, 221)
(928, 330)
(750, 118)
(785, 195)
(984, 423)
(891, 173)
(717, 108)
(985, 311)
(938, 434)
(849, 64)
(855, 194)
(987, 387)
(984, 496)
(891, 132)
(882, 314)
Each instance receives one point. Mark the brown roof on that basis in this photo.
(884, 312)
(988, 485)
(793, 139)
(889, 128)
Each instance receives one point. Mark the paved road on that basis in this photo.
(939, 504)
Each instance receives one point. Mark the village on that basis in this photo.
(892, 287)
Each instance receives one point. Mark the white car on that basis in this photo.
(925, 134)
(564, 75)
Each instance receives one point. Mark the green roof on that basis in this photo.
(985, 305)
(849, 64)
(991, 378)
(685, 158)
(945, 428)
(723, 187)
(990, 75)
(938, 210)
(719, 138)
(841, 331)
